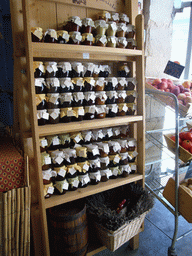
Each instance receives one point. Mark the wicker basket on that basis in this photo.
(114, 239)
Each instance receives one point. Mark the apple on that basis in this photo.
(176, 90)
(186, 144)
(169, 81)
(156, 81)
(170, 86)
(187, 94)
(181, 88)
(162, 86)
(187, 100)
(167, 90)
(186, 84)
(181, 102)
(181, 96)
(164, 80)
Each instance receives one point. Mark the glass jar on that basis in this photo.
(77, 69)
(73, 183)
(53, 142)
(43, 144)
(52, 85)
(92, 151)
(111, 83)
(101, 27)
(61, 187)
(87, 136)
(121, 83)
(114, 160)
(84, 167)
(46, 163)
(131, 96)
(104, 162)
(36, 34)
(115, 172)
(78, 84)
(100, 98)
(132, 143)
(101, 40)
(123, 144)
(112, 110)
(116, 132)
(39, 69)
(89, 112)
(114, 17)
(88, 70)
(52, 100)
(76, 138)
(111, 41)
(105, 174)
(95, 177)
(121, 95)
(124, 158)
(124, 131)
(48, 176)
(50, 69)
(42, 116)
(112, 28)
(89, 98)
(98, 135)
(78, 113)
(65, 140)
(66, 115)
(107, 133)
(84, 180)
(123, 18)
(101, 111)
(74, 23)
(94, 165)
(75, 38)
(131, 109)
(111, 97)
(125, 170)
(61, 172)
(54, 115)
(66, 99)
(132, 156)
(133, 167)
(114, 147)
(104, 71)
(122, 109)
(87, 39)
(121, 42)
(64, 69)
(50, 36)
(96, 71)
(72, 170)
(39, 85)
(103, 149)
(131, 43)
(57, 158)
(130, 31)
(81, 153)
(123, 70)
(78, 98)
(100, 83)
(87, 25)
(40, 101)
(48, 190)
(69, 155)
(62, 37)
(104, 15)
(66, 84)
(131, 83)
(121, 30)
(89, 84)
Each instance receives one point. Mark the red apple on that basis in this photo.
(176, 90)
(156, 81)
(187, 100)
(164, 80)
(167, 90)
(181, 88)
(170, 86)
(162, 86)
(186, 84)
(170, 81)
(186, 144)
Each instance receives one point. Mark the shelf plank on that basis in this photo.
(70, 51)
(86, 125)
(55, 200)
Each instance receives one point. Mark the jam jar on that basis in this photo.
(125, 170)
(72, 170)
(48, 190)
(84, 180)
(112, 28)
(78, 113)
(57, 158)
(98, 135)
(101, 27)
(131, 43)
(123, 18)
(104, 71)
(114, 160)
(94, 165)
(36, 34)
(66, 115)
(73, 183)
(132, 107)
(39, 85)
(66, 84)
(43, 144)
(130, 31)
(53, 142)
(103, 149)
(105, 174)
(64, 69)
(108, 133)
(131, 96)
(88, 70)
(52, 100)
(89, 84)
(124, 158)
(121, 95)
(42, 116)
(48, 176)
(89, 98)
(77, 69)
(100, 83)
(78, 84)
(65, 140)
(123, 144)
(101, 40)
(111, 41)
(54, 115)
(61, 186)
(40, 101)
(132, 156)
(52, 85)
(111, 97)
(78, 98)
(115, 172)
(132, 143)
(95, 177)
(122, 109)
(87, 39)
(87, 136)
(50, 36)
(112, 110)
(87, 25)
(96, 70)
(104, 15)
(121, 42)
(89, 112)
(62, 37)
(114, 17)
(46, 163)
(74, 24)
(84, 167)
(39, 69)
(121, 30)
(104, 162)
(131, 83)
(101, 111)
(81, 153)
(116, 132)
(100, 98)
(61, 172)
(66, 99)
(50, 69)
(92, 151)
(111, 83)
(76, 138)
(114, 147)
(69, 155)
(123, 70)
(121, 83)
(124, 131)
(75, 38)
(133, 167)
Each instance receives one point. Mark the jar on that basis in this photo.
(104, 162)
(78, 98)
(100, 98)
(122, 109)
(72, 170)
(74, 23)
(132, 143)
(61, 187)
(78, 113)
(54, 115)
(87, 136)
(107, 133)
(116, 132)
(57, 158)
(75, 38)
(123, 18)
(73, 183)
(114, 160)
(112, 110)
(131, 83)
(52, 100)
(111, 97)
(42, 116)
(89, 98)
(95, 177)
(124, 158)
(89, 84)
(76, 138)
(48, 190)
(52, 85)
(111, 41)
(101, 27)
(123, 70)
(39, 85)
(66, 99)
(84, 180)
(98, 134)
(40, 101)
(105, 174)
(103, 149)
(132, 156)
(96, 71)
(43, 144)
(87, 25)
(36, 34)
(121, 30)
(114, 147)
(115, 172)
(66, 115)
(121, 42)
(61, 172)
(114, 17)
(133, 167)
(64, 69)
(101, 40)
(88, 70)
(104, 15)
(50, 36)
(46, 163)
(66, 84)
(78, 84)
(124, 131)
(130, 31)
(69, 156)
(87, 39)
(94, 165)
(38, 69)
(77, 69)
(92, 151)
(65, 140)
(112, 28)
(125, 170)
(111, 83)
(123, 144)
(50, 69)
(121, 83)
(62, 37)
(131, 43)
(89, 112)
(84, 167)
(132, 107)
(100, 83)
(131, 96)
(48, 176)
(81, 153)
(101, 111)
(53, 142)
(104, 71)
(121, 95)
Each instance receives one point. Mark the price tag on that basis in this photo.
(55, 141)
(62, 172)
(65, 186)
(86, 167)
(174, 69)
(43, 143)
(75, 183)
(59, 160)
(50, 190)
(46, 116)
(48, 160)
(115, 172)
(72, 170)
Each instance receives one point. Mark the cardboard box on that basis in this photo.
(185, 197)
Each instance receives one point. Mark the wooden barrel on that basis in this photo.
(68, 230)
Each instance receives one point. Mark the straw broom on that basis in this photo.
(28, 226)
(13, 213)
(1, 224)
(17, 224)
(22, 221)
(9, 220)
(5, 227)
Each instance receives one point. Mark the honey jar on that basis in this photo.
(66, 84)
(131, 96)
(95, 177)
(104, 162)
(42, 116)
(47, 176)
(64, 69)
(61, 172)
(50, 36)
(122, 109)
(116, 132)
(54, 115)
(52, 100)
(53, 142)
(121, 42)
(131, 83)
(36, 34)
(101, 27)
(89, 112)
(74, 24)
(100, 83)
(89, 98)
(114, 160)
(124, 158)
(69, 155)
(39, 85)
(76, 138)
(115, 172)
(132, 143)
(66, 115)
(98, 135)
(48, 190)
(121, 83)
(107, 133)
(123, 18)
(112, 28)
(57, 158)
(101, 40)
(94, 165)
(123, 70)
(78, 113)
(104, 71)
(105, 174)
(50, 69)
(121, 95)
(84, 168)
(111, 83)
(78, 84)
(124, 145)
(133, 167)
(66, 99)
(87, 39)
(52, 85)
(75, 38)
(92, 151)
(38, 69)
(73, 183)
(131, 108)
(40, 101)
(103, 149)
(114, 147)
(121, 30)
(101, 111)
(111, 97)
(131, 43)
(87, 25)
(62, 37)
(130, 33)
(81, 153)
(125, 170)
(65, 140)
(46, 163)
(132, 156)
(112, 110)
(111, 41)
(104, 15)
(87, 136)
(77, 69)
(43, 144)
(84, 180)
(78, 98)
(88, 70)
(61, 187)
(100, 98)
(89, 84)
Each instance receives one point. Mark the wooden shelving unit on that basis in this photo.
(49, 14)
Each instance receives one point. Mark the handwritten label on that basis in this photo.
(174, 69)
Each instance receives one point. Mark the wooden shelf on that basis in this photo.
(70, 196)
(82, 52)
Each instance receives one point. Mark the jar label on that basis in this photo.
(113, 26)
(86, 167)
(95, 152)
(115, 171)
(41, 68)
(55, 141)
(122, 81)
(68, 97)
(53, 99)
(67, 83)
(114, 109)
(116, 159)
(38, 82)
(43, 143)
(125, 108)
(86, 180)
(65, 186)
(90, 67)
(81, 112)
(50, 190)
(54, 115)
(59, 160)
(47, 160)
(47, 175)
(124, 156)
(115, 16)
(70, 112)
(62, 172)
(134, 154)
(75, 183)
(133, 167)
(53, 173)
(117, 131)
(72, 170)
(45, 116)
(91, 110)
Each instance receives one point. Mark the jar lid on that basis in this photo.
(88, 22)
(39, 65)
(111, 94)
(64, 34)
(112, 24)
(101, 23)
(124, 17)
(87, 36)
(76, 20)
(115, 16)
(105, 14)
(121, 27)
(75, 35)
(37, 31)
(51, 32)
(90, 109)
(122, 107)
